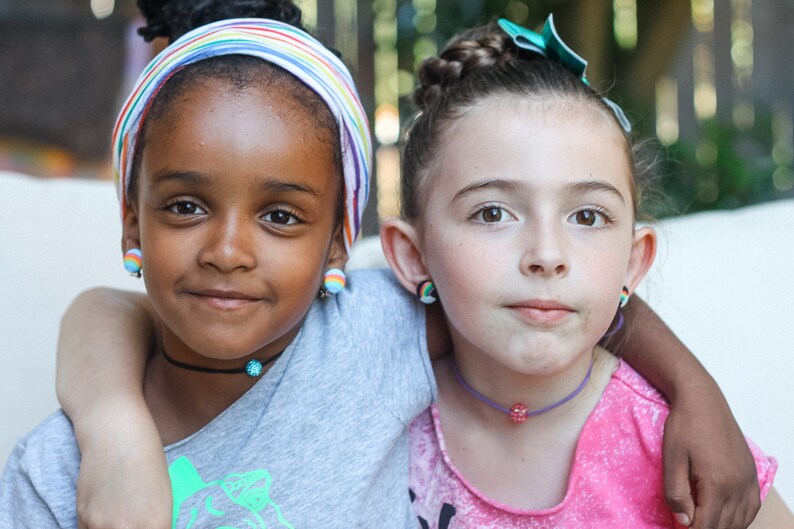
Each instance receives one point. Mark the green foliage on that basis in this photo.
(723, 167)
(727, 168)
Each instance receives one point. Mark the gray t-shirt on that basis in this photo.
(319, 442)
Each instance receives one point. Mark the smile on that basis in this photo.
(542, 311)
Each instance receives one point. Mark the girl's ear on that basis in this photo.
(401, 247)
(131, 231)
(643, 251)
(337, 254)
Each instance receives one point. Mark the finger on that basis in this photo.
(752, 505)
(677, 488)
(740, 516)
(728, 516)
(747, 510)
(707, 511)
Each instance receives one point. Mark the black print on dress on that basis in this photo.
(444, 517)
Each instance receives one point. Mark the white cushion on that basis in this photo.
(723, 282)
(57, 238)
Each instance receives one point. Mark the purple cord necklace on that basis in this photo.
(518, 413)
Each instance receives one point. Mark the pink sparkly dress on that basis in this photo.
(616, 477)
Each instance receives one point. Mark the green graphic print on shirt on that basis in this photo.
(235, 501)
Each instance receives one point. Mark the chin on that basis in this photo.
(546, 358)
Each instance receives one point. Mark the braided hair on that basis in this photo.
(480, 64)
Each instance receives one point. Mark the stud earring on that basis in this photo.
(426, 292)
(624, 296)
(132, 262)
(333, 282)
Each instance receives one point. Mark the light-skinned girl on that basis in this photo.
(243, 178)
(520, 195)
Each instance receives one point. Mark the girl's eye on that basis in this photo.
(185, 207)
(491, 215)
(281, 217)
(589, 217)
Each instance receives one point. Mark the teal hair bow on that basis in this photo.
(548, 44)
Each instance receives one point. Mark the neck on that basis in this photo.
(535, 456)
(182, 401)
(486, 386)
(519, 412)
(537, 389)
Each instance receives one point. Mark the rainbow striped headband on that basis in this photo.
(282, 45)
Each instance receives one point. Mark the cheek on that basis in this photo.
(165, 259)
(462, 270)
(603, 274)
(161, 246)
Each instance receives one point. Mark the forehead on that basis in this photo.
(226, 101)
(539, 140)
(219, 129)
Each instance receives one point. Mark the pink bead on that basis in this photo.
(518, 413)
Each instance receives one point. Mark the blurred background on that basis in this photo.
(709, 79)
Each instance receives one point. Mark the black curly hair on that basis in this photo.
(174, 18)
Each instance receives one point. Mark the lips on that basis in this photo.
(224, 299)
(542, 311)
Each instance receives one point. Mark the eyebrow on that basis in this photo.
(278, 186)
(596, 185)
(189, 177)
(496, 183)
(270, 186)
(514, 185)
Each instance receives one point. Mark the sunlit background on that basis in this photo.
(711, 80)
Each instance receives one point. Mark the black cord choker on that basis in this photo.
(253, 368)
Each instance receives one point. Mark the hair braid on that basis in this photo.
(474, 50)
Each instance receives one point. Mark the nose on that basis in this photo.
(229, 244)
(545, 250)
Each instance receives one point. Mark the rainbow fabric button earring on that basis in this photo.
(334, 282)
(132, 262)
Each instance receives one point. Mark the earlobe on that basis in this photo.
(402, 250)
(643, 252)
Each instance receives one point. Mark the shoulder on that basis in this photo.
(51, 442)
(372, 302)
(630, 384)
(631, 413)
(649, 409)
(373, 284)
(49, 448)
(40, 479)
(371, 335)
(618, 460)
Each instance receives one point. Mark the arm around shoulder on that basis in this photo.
(704, 448)
(105, 340)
